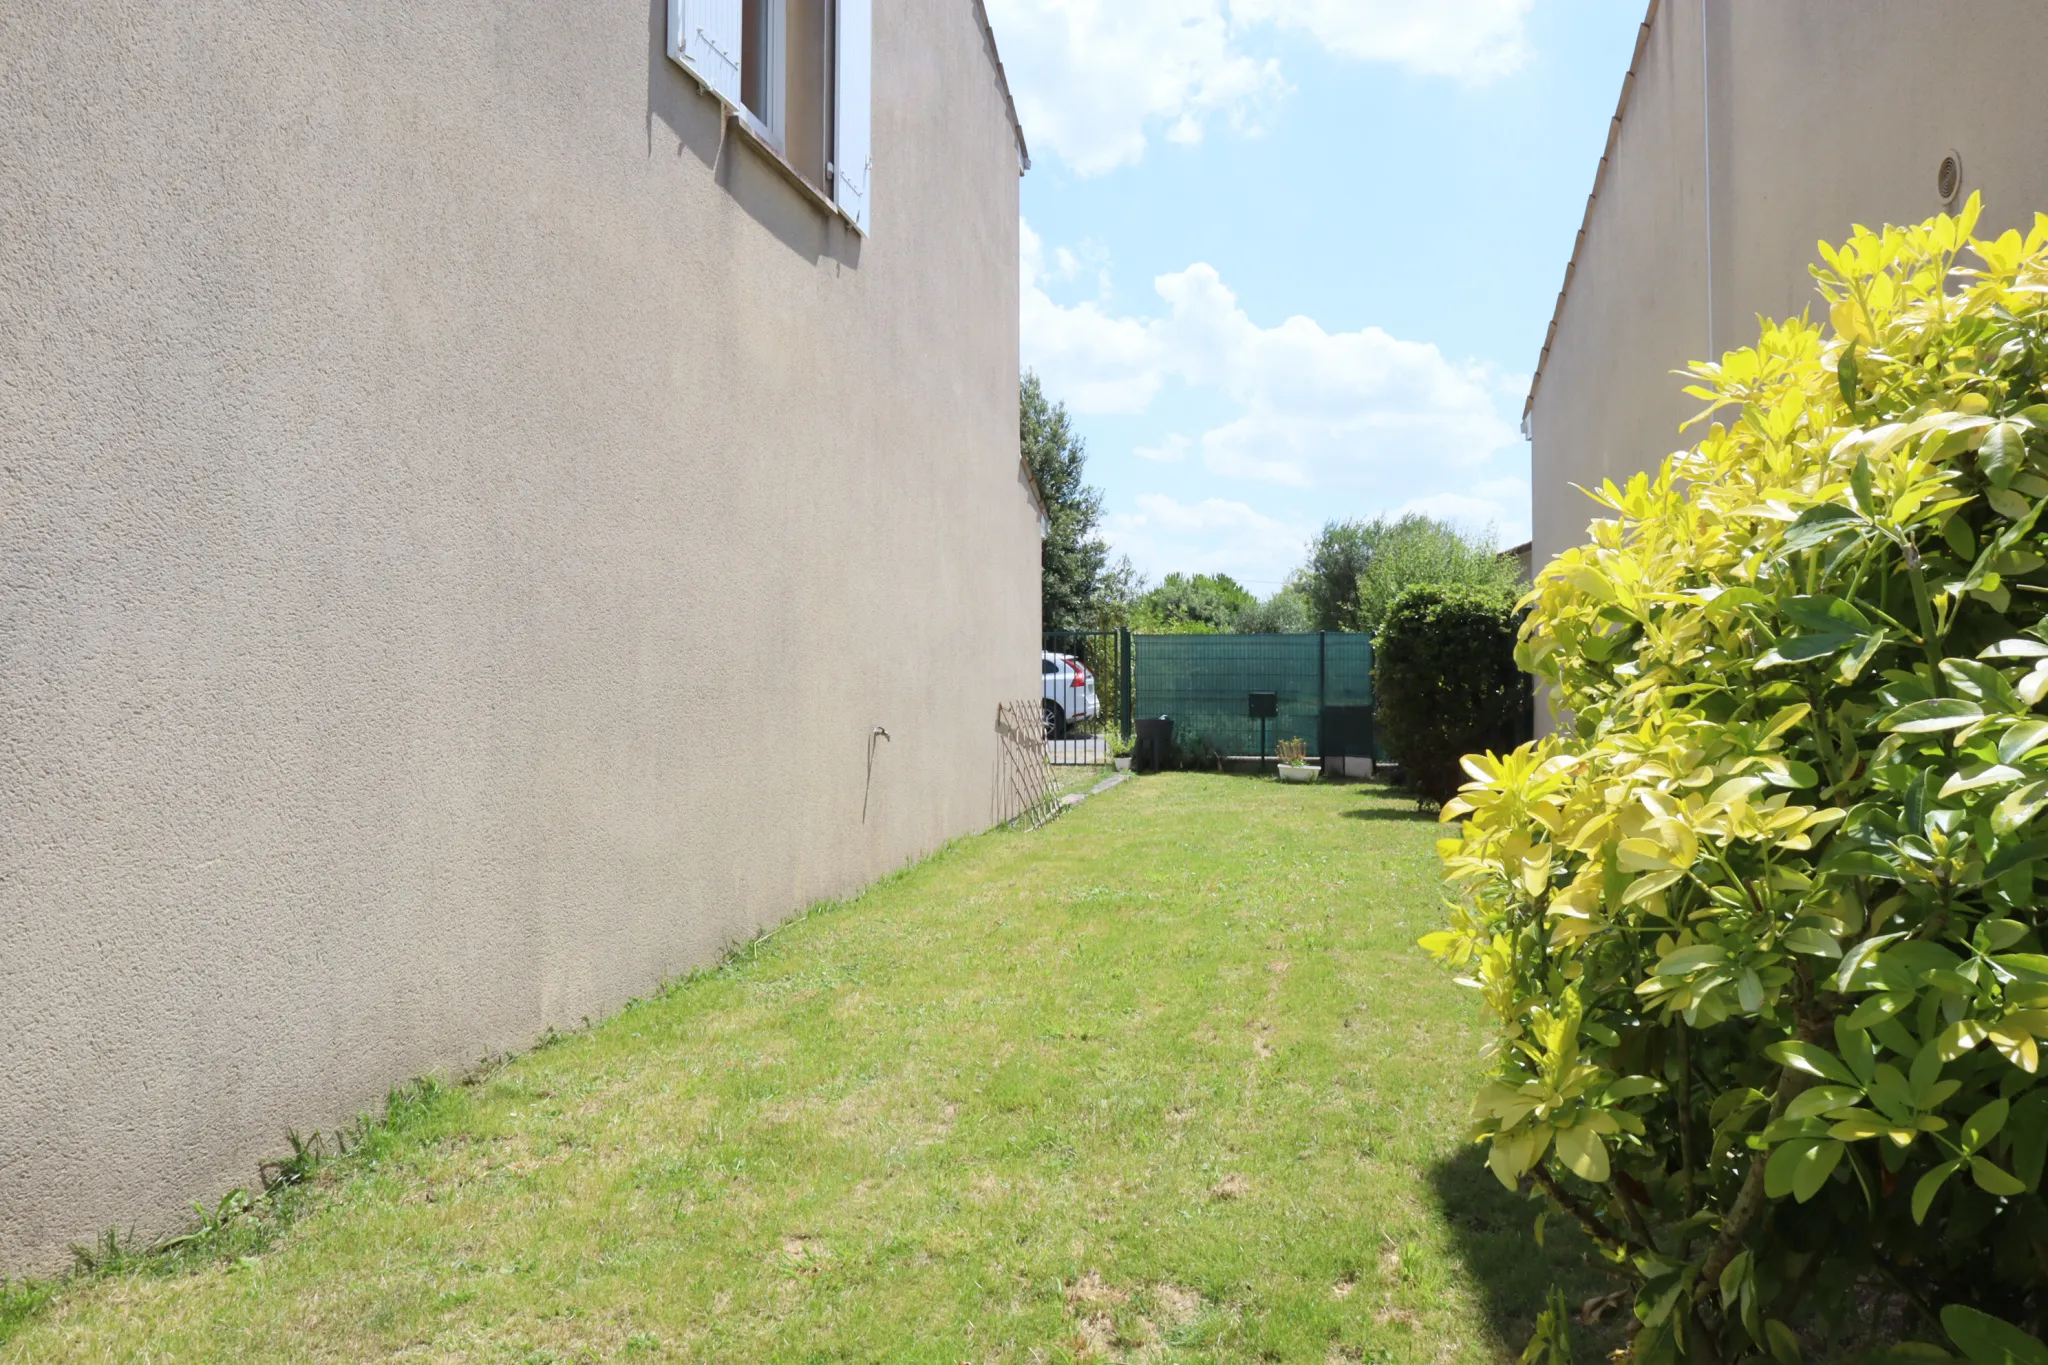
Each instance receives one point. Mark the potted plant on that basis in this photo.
(1294, 764)
(1120, 752)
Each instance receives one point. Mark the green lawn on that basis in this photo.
(1166, 1080)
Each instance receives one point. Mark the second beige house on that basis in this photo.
(1747, 131)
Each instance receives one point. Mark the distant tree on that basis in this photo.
(1286, 612)
(1071, 566)
(1356, 569)
(1420, 550)
(1117, 595)
(1192, 603)
(1336, 564)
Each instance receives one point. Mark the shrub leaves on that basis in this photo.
(1787, 832)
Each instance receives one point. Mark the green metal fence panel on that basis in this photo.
(1204, 683)
(1348, 668)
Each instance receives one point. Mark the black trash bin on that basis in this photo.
(1152, 744)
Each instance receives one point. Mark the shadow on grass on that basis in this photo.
(1399, 815)
(1494, 1232)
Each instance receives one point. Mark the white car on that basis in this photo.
(1069, 693)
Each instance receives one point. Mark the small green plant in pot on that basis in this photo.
(1759, 928)
(1293, 763)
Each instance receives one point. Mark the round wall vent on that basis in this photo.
(1948, 181)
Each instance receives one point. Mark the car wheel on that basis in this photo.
(1055, 720)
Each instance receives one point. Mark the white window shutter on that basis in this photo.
(773, 31)
(853, 157)
(705, 36)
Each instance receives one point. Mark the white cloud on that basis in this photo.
(1473, 41)
(1343, 423)
(1092, 78)
(1099, 363)
(1063, 266)
(1095, 362)
(1314, 408)
(1212, 536)
(1172, 450)
(1096, 80)
(1498, 505)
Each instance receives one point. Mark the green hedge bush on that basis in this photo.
(1445, 683)
(1760, 929)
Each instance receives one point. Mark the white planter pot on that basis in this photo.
(1123, 765)
(1299, 772)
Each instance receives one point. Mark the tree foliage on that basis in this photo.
(1073, 557)
(1192, 604)
(1284, 613)
(1356, 569)
(1445, 683)
(1760, 929)
(1330, 578)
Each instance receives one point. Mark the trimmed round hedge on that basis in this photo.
(1445, 684)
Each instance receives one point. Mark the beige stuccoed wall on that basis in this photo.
(460, 524)
(1823, 113)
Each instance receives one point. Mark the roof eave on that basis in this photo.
(995, 55)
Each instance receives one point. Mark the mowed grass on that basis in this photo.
(1167, 1080)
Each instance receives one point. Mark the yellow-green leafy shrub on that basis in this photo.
(1760, 926)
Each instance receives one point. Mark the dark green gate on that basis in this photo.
(1087, 693)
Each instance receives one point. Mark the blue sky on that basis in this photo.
(1292, 260)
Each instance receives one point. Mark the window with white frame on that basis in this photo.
(797, 75)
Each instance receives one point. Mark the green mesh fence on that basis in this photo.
(1204, 683)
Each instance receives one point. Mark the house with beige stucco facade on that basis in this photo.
(497, 503)
(1747, 131)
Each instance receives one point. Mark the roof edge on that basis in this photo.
(995, 56)
(1628, 85)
